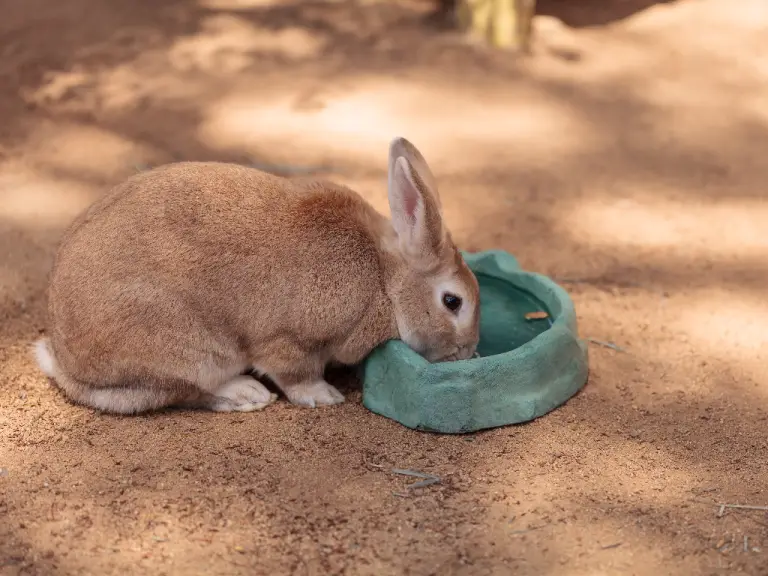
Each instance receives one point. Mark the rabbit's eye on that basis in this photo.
(451, 301)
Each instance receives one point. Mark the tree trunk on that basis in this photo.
(501, 23)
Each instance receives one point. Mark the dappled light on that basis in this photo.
(624, 157)
(228, 44)
(723, 229)
(358, 123)
(733, 335)
(41, 202)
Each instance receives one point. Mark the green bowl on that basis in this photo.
(526, 367)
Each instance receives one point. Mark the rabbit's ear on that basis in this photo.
(402, 147)
(413, 201)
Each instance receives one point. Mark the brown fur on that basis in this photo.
(183, 277)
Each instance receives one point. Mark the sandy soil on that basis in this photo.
(625, 157)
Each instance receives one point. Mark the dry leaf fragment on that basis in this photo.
(540, 315)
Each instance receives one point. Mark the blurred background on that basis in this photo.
(616, 145)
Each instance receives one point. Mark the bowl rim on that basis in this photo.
(502, 266)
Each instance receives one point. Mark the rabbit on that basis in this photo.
(178, 284)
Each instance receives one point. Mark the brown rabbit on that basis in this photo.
(182, 279)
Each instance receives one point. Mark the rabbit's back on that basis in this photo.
(213, 259)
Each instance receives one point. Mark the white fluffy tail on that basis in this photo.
(120, 400)
(45, 359)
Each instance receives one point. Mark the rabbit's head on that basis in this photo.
(435, 295)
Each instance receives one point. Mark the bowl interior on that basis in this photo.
(503, 306)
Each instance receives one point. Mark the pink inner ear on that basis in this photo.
(410, 201)
(409, 191)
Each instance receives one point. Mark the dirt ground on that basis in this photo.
(626, 157)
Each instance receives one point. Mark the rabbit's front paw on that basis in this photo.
(313, 394)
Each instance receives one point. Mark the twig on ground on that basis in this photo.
(424, 483)
(412, 473)
(610, 345)
(609, 546)
(723, 507)
(428, 479)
